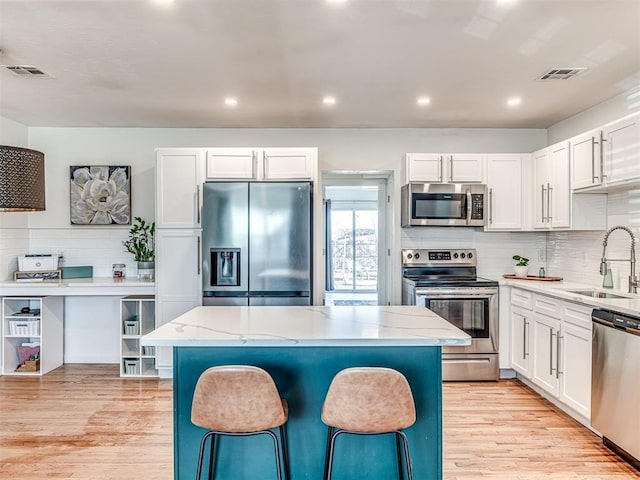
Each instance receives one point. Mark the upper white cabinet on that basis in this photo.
(262, 163)
(504, 183)
(551, 188)
(621, 151)
(444, 168)
(607, 157)
(586, 160)
(178, 187)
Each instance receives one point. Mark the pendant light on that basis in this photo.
(21, 179)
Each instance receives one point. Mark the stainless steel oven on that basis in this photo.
(445, 282)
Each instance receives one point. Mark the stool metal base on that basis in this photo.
(280, 449)
(402, 449)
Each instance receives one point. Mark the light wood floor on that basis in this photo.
(83, 422)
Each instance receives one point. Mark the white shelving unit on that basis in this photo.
(137, 318)
(43, 323)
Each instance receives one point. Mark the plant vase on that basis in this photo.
(521, 270)
(146, 270)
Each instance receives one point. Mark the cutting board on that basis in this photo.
(533, 277)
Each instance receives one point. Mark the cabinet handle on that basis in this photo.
(558, 345)
(524, 339)
(198, 204)
(490, 206)
(544, 219)
(199, 255)
(254, 163)
(441, 172)
(594, 177)
(451, 168)
(551, 369)
(265, 173)
(549, 198)
(602, 140)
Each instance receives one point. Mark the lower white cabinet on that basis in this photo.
(551, 346)
(546, 331)
(137, 318)
(178, 279)
(521, 320)
(27, 323)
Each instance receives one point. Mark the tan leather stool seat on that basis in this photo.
(239, 400)
(369, 401)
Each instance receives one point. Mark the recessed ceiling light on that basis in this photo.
(231, 102)
(514, 101)
(163, 3)
(328, 100)
(337, 1)
(422, 101)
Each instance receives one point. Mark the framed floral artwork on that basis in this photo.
(100, 195)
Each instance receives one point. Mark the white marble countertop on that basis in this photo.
(629, 304)
(307, 326)
(79, 286)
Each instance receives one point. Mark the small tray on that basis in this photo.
(533, 277)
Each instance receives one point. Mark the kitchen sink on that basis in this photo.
(596, 294)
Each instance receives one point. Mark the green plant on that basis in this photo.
(522, 261)
(141, 240)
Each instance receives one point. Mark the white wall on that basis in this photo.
(14, 236)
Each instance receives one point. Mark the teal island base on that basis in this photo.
(302, 375)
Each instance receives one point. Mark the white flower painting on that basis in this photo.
(100, 195)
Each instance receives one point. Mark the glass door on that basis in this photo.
(353, 243)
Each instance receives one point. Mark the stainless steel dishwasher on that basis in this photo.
(615, 382)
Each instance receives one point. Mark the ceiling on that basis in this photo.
(135, 63)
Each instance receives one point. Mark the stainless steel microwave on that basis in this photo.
(443, 204)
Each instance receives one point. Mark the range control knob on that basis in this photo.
(417, 256)
(463, 255)
(455, 255)
(409, 256)
(470, 255)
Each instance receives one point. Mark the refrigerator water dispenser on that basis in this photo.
(226, 267)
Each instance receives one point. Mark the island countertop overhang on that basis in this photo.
(307, 326)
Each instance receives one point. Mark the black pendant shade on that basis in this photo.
(21, 179)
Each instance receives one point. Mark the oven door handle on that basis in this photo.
(452, 293)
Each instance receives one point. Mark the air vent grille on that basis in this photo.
(27, 71)
(561, 73)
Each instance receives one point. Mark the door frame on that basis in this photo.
(384, 181)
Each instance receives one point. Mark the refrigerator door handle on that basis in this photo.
(199, 255)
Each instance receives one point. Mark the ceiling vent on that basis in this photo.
(561, 73)
(27, 71)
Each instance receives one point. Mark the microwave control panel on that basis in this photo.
(477, 206)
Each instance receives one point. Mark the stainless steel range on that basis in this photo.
(445, 282)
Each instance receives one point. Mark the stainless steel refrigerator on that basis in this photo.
(257, 243)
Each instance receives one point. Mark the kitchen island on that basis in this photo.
(303, 348)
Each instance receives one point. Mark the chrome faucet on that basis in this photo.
(633, 281)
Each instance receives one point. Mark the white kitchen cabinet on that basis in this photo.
(40, 323)
(178, 187)
(621, 151)
(178, 278)
(551, 346)
(586, 160)
(444, 168)
(504, 183)
(231, 164)
(551, 187)
(575, 357)
(261, 163)
(545, 353)
(521, 320)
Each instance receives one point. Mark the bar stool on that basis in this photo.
(239, 400)
(369, 401)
